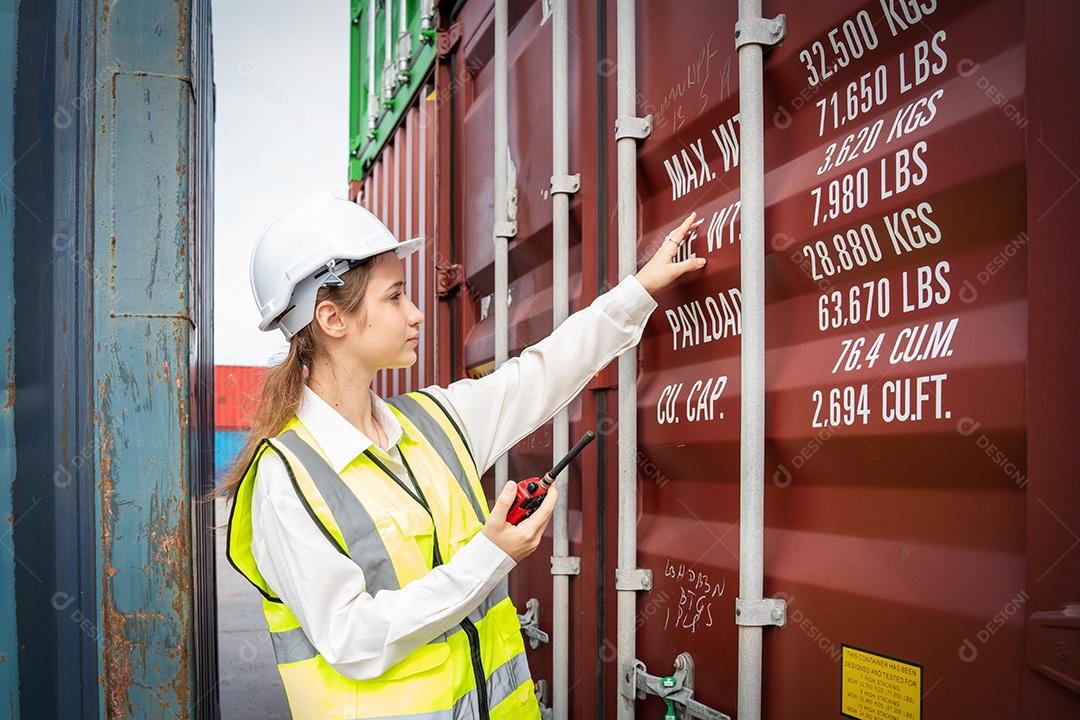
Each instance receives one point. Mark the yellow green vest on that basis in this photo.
(476, 669)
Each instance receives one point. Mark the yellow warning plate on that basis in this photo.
(878, 687)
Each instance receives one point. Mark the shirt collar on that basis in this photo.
(339, 439)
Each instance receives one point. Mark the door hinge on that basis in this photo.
(1054, 645)
(448, 278)
(446, 40)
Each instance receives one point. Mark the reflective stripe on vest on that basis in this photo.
(411, 408)
(293, 645)
(357, 528)
(360, 512)
(501, 684)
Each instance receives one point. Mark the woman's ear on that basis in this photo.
(330, 319)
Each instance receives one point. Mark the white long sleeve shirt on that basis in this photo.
(360, 634)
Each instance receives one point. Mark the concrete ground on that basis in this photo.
(250, 687)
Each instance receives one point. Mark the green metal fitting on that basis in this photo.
(669, 682)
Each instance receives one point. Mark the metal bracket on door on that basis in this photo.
(530, 624)
(506, 229)
(758, 613)
(677, 687)
(761, 31)
(1053, 639)
(633, 127)
(565, 565)
(636, 579)
(567, 184)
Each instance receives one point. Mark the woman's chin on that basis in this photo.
(406, 361)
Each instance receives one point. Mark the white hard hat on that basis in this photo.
(306, 246)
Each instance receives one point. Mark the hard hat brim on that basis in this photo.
(407, 248)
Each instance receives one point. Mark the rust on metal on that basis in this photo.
(117, 672)
(183, 29)
(132, 637)
(10, 402)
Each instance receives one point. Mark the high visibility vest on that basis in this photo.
(396, 534)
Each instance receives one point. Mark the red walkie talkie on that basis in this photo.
(531, 492)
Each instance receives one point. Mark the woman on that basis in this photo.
(362, 522)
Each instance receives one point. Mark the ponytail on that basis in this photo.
(277, 404)
(284, 386)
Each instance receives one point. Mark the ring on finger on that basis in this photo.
(673, 240)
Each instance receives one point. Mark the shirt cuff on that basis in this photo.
(484, 560)
(638, 303)
(628, 304)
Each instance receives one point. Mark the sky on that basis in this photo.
(282, 74)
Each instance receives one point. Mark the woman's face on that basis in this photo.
(387, 322)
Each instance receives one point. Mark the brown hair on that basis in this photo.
(284, 385)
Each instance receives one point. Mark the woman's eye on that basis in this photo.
(395, 297)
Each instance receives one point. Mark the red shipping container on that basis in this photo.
(236, 392)
(920, 499)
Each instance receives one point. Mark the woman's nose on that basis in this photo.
(415, 317)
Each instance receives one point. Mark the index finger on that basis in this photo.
(678, 236)
(682, 229)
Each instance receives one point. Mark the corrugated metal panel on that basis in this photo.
(141, 353)
(401, 190)
(110, 389)
(891, 176)
(530, 295)
(913, 152)
(53, 540)
(1052, 151)
(202, 373)
(9, 644)
(236, 389)
(423, 177)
